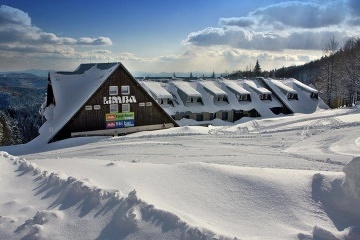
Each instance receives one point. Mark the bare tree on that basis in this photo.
(351, 62)
(329, 50)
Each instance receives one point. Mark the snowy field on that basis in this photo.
(293, 177)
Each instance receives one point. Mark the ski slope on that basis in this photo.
(289, 177)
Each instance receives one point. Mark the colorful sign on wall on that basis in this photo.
(120, 116)
(120, 120)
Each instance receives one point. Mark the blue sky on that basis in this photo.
(171, 36)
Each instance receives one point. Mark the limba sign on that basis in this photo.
(119, 99)
(120, 120)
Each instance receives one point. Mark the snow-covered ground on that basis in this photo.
(290, 177)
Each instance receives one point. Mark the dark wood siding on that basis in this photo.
(90, 120)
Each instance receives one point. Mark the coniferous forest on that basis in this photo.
(21, 95)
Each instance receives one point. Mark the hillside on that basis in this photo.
(21, 95)
(292, 177)
(336, 75)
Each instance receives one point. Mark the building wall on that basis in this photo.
(146, 110)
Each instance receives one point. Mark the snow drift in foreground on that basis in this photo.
(287, 178)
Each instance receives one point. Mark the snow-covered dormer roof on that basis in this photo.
(186, 88)
(282, 86)
(212, 88)
(256, 87)
(235, 87)
(304, 86)
(157, 90)
(71, 91)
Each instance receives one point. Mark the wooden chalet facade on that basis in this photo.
(119, 105)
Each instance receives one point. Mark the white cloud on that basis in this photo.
(271, 41)
(286, 25)
(19, 35)
(9, 15)
(237, 21)
(217, 58)
(131, 57)
(94, 41)
(301, 14)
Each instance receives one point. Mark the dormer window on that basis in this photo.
(193, 99)
(292, 96)
(314, 95)
(265, 97)
(165, 101)
(244, 97)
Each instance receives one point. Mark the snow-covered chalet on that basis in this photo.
(105, 99)
(230, 100)
(99, 99)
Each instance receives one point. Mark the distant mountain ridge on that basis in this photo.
(36, 72)
(137, 74)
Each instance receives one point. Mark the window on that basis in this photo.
(125, 107)
(113, 90)
(292, 96)
(125, 90)
(225, 116)
(265, 97)
(97, 107)
(114, 108)
(199, 117)
(314, 95)
(243, 97)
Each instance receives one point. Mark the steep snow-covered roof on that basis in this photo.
(186, 88)
(71, 91)
(210, 86)
(157, 90)
(235, 87)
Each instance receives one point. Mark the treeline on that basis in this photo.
(19, 125)
(9, 131)
(336, 75)
(250, 72)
